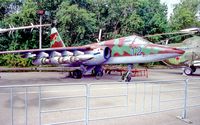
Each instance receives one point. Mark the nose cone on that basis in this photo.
(177, 51)
(170, 50)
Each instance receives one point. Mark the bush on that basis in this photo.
(11, 60)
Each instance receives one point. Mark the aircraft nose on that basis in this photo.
(171, 50)
(177, 51)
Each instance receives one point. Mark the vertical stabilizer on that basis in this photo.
(55, 39)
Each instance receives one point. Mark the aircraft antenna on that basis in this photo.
(100, 32)
(167, 41)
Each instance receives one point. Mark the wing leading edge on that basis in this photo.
(55, 56)
(48, 50)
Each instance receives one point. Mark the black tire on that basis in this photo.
(193, 69)
(96, 70)
(188, 71)
(123, 76)
(77, 74)
(99, 74)
(128, 79)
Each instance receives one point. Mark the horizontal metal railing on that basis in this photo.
(137, 98)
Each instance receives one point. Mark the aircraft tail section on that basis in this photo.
(55, 39)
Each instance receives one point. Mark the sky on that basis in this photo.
(170, 5)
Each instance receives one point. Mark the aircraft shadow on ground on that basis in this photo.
(195, 75)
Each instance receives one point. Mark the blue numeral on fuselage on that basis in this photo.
(137, 51)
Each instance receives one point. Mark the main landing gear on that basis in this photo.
(97, 71)
(127, 75)
(77, 74)
(189, 70)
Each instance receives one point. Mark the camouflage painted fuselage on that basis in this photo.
(186, 59)
(135, 49)
(191, 47)
(126, 50)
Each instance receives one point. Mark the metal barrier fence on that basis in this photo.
(57, 104)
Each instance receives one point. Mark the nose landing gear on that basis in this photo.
(127, 76)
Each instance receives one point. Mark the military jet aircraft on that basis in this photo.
(190, 60)
(90, 58)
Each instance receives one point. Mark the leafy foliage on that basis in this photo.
(26, 16)
(185, 15)
(154, 16)
(11, 60)
(75, 23)
(80, 20)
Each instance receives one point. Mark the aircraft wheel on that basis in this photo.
(97, 71)
(123, 76)
(99, 74)
(188, 71)
(77, 74)
(128, 79)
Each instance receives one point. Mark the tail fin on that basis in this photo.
(55, 38)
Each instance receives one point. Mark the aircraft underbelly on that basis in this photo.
(139, 59)
(197, 63)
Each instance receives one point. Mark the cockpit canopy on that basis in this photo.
(136, 40)
(125, 41)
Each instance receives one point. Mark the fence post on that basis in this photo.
(87, 104)
(135, 100)
(11, 105)
(39, 103)
(144, 86)
(26, 106)
(127, 95)
(159, 97)
(184, 113)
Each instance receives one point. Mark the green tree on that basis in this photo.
(185, 15)
(21, 39)
(26, 15)
(80, 20)
(114, 17)
(4, 7)
(76, 24)
(154, 15)
(125, 17)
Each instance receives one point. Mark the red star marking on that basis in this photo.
(177, 58)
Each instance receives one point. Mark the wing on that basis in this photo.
(87, 55)
(48, 50)
(184, 31)
(62, 55)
